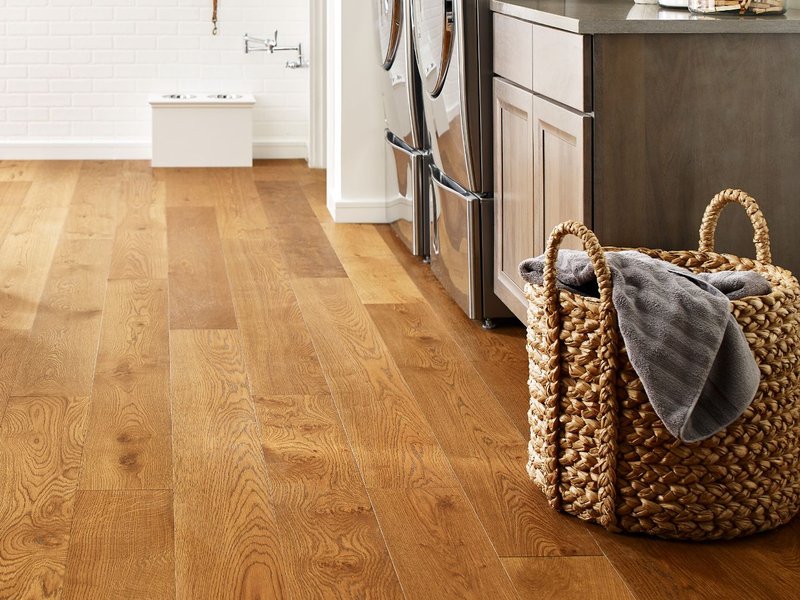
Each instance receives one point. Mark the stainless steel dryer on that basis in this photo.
(454, 54)
(407, 173)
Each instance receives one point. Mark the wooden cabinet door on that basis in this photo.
(563, 169)
(514, 216)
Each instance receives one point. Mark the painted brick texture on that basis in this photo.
(81, 70)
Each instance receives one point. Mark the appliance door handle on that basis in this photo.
(440, 185)
(399, 144)
(435, 245)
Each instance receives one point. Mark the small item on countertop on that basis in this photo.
(738, 7)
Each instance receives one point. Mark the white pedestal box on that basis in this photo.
(202, 130)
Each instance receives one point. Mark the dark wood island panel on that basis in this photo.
(680, 117)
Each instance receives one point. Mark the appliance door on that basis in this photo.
(438, 27)
(401, 95)
(455, 230)
(390, 29)
(407, 192)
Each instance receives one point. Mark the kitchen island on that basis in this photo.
(631, 117)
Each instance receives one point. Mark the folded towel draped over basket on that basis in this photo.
(687, 348)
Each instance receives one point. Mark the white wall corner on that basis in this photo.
(355, 129)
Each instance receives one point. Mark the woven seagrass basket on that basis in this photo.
(597, 448)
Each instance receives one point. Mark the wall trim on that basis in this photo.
(317, 142)
(280, 148)
(370, 211)
(128, 150)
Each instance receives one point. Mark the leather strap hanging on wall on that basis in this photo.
(214, 18)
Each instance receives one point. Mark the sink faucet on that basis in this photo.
(254, 44)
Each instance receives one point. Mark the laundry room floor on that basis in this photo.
(208, 390)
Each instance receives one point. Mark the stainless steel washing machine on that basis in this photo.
(408, 157)
(453, 41)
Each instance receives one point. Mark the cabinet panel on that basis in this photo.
(513, 50)
(563, 67)
(515, 214)
(562, 173)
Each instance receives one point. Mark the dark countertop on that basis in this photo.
(623, 16)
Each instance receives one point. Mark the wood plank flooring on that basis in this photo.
(210, 391)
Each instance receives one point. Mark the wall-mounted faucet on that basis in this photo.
(254, 44)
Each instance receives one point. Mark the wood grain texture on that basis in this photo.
(25, 257)
(508, 381)
(17, 170)
(498, 355)
(305, 248)
(199, 294)
(655, 115)
(12, 195)
(503, 343)
(316, 194)
(285, 170)
(140, 247)
(486, 451)
(242, 216)
(128, 442)
(517, 235)
(40, 455)
(278, 348)
(93, 210)
(226, 541)
(370, 265)
(333, 544)
(385, 448)
(567, 578)
(121, 547)
(762, 567)
(13, 348)
(196, 187)
(54, 184)
(63, 342)
(439, 548)
(392, 441)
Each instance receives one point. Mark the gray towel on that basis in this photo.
(688, 350)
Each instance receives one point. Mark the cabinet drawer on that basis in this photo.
(513, 50)
(563, 67)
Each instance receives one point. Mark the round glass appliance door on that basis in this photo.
(434, 34)
(390, 26)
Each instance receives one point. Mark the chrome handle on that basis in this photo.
(436, 241)
(399, 144)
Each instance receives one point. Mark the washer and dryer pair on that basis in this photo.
(438, 103)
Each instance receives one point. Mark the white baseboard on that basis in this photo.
(371, 211)
(127, 150)
(280, 149)
(74, 150)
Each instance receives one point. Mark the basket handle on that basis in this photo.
(607, 414)
(593, 249)
(761, 232)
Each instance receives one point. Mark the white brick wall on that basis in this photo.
(77, 73)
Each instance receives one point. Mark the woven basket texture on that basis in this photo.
(597, 448)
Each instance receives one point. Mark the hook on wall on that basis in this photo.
(215, 30)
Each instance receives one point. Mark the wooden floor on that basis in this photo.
(208, 390)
